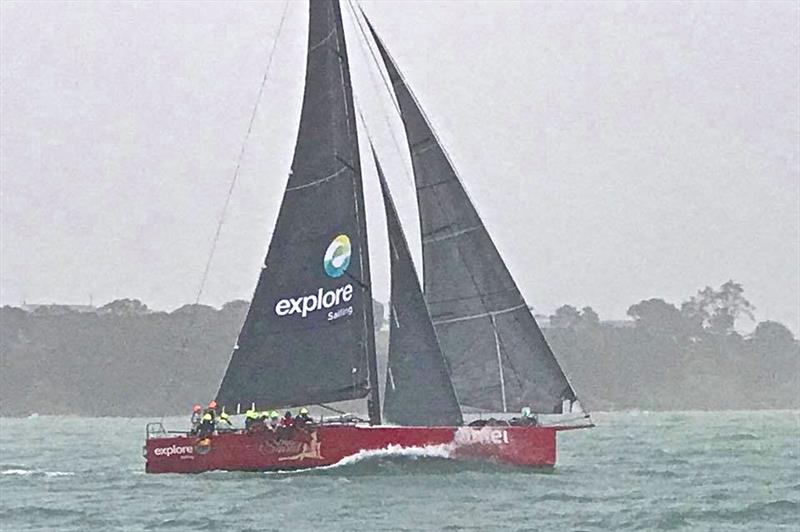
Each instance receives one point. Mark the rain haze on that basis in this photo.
(616, 151)
(636, 166)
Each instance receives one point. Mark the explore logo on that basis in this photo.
(174, 449)
(336, 261)
(337, 256)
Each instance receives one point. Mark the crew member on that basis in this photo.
(303, 417)
(197, 414)
(274, 419)
(251, 418)
(224, 418)
(207, 425)
(211, 411)
(528, 417)
(287, 420)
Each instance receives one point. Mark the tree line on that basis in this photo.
(123, 359)
(679, 357)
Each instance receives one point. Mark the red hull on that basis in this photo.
(328, 444)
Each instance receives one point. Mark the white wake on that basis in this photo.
(444, 451)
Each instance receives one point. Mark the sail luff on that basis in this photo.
(478, 312)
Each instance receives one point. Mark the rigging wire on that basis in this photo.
(387, 85)
(386, 82)
(231, 187)
(241, 156)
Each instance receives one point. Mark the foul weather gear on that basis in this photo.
(207, 425)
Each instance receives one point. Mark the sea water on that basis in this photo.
(635, 471)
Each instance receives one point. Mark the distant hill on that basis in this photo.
(122, 359)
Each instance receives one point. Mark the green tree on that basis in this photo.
(124, 307)
(772, 333)
(716, 311)
(589, 317)
(657, 314)
(565, 317)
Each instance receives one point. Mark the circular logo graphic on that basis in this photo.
(337, 256)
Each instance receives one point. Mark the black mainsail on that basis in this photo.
(308, 336)
(498, 357)
(418, 387)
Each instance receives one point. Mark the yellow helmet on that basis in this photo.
(304, 410)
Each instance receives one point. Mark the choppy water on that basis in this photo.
(645, 471)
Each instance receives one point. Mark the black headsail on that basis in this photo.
(418, 387)
(498, 357)
(308, 336)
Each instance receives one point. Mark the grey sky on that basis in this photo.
(617, 151)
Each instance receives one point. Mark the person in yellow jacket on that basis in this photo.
(207, 425)
(303, 417)
(225, 418)
(251, 417)
(274, 420)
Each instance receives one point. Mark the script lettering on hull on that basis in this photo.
(481, 436)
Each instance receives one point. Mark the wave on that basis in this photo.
(774, 512)
(739, 436)
(35, 473)
(192, 524)
(31, 512)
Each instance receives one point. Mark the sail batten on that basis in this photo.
(485, 328)
(308, 335)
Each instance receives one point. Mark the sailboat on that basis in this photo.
(461, 341)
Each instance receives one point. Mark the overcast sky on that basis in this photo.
(616, 151)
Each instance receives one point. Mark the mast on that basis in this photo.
(309, 336)
(481, 319)
(374, 400)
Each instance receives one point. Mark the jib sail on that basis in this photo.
(308, 336)
(418, 387)
(498, 357)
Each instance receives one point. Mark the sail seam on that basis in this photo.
(320, 43)
(482, 315)
(431, 185)
(423, 146)
(452, 235)
(318, 181)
